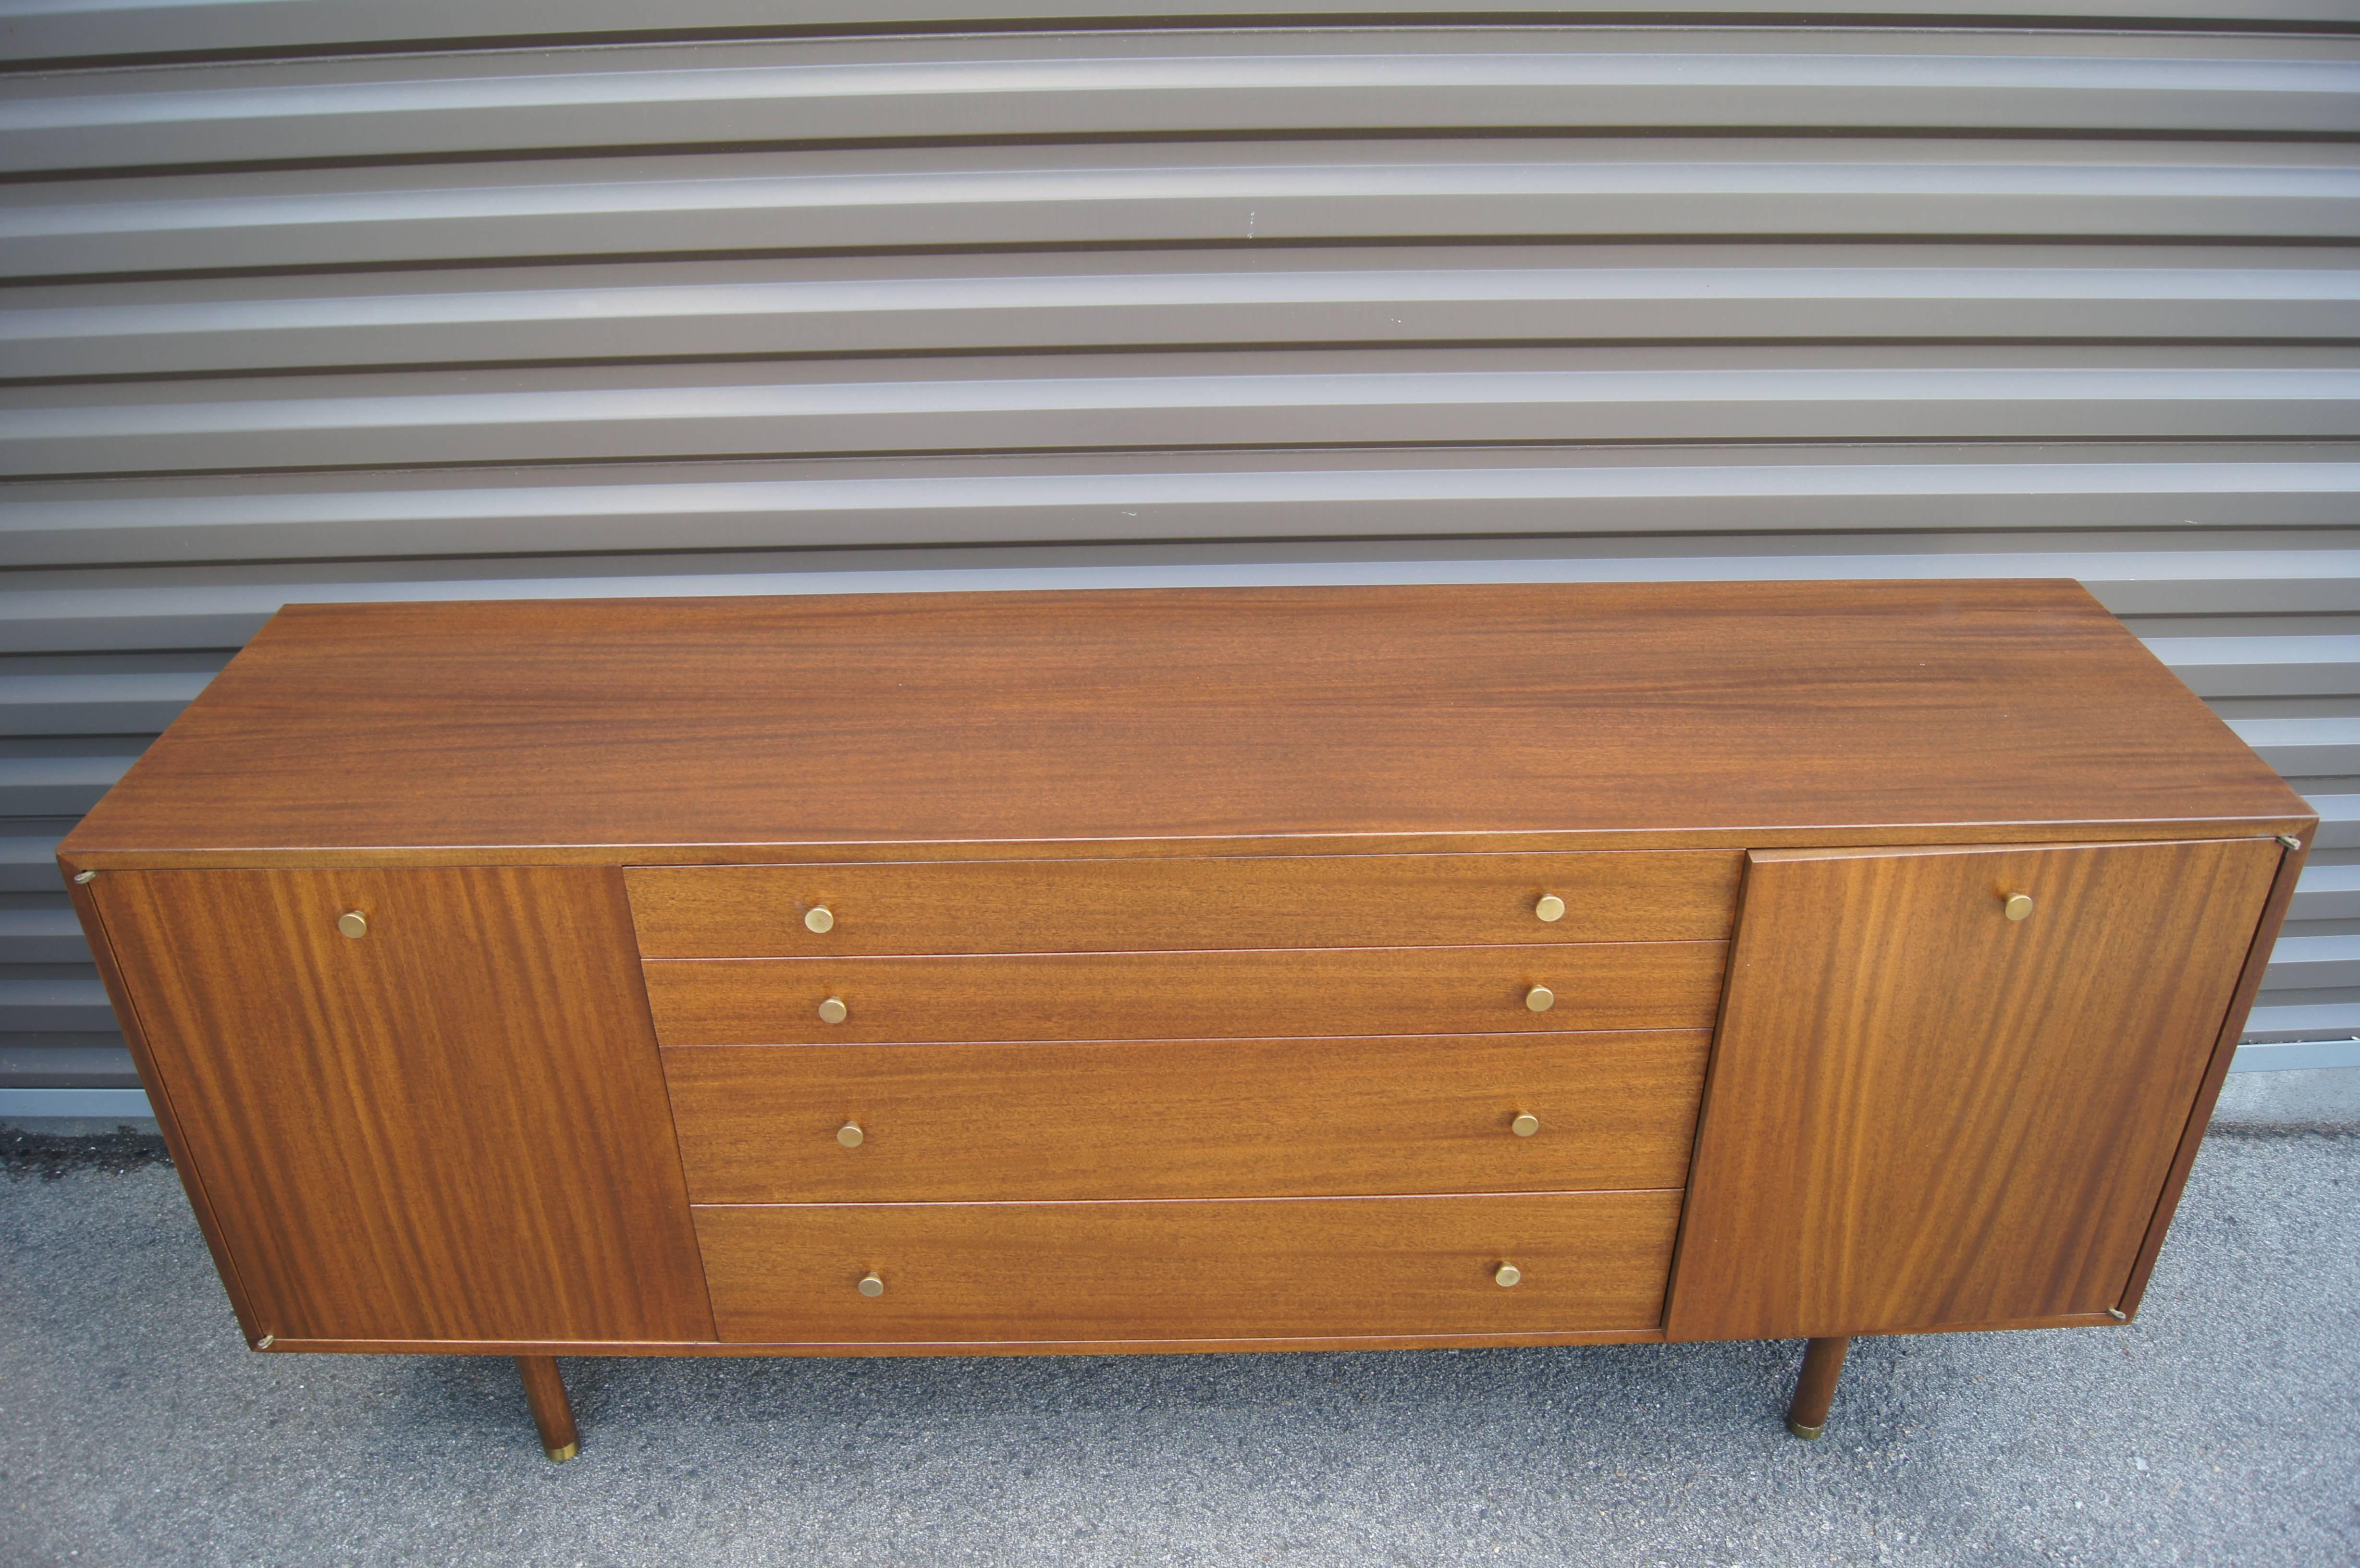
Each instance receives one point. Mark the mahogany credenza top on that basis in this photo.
(1190, 968)
(615, 731)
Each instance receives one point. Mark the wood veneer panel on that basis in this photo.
(1922, 1113)
(159, 1101)
(1649, 1335)
(1173, 713)
(1652, 1334)
(1192, 1118)
(453, 1128)
(2225, 1051)
(1136, 906)
(1290, 1267)
(1184, 995)
(639, 855)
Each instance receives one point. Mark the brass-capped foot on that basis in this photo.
(552, 1414)
(1814, 1387)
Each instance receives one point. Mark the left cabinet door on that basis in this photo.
(451, 1127)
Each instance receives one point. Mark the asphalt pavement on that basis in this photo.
(2222, 1427)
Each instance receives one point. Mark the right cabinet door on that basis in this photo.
(1931, 1107)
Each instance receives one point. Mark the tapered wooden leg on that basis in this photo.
(551, 1411)
(1814, 1391)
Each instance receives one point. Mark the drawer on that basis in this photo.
(1184, 995)
(760, 1124)
(1238, 1268)
(1145, 906)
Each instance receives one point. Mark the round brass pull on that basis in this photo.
(1505, 1275)
(352, 923)
(1550, 908)
(831, 1010)
(820, 918)
(2018, 906)
(871, 1286)
(1540, 999)
(1526, 1125)
(849, 1135)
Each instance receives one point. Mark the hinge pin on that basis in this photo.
(86, 875)
(2290, 840)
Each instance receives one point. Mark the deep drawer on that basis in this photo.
(1144, 906)
(1249, 1268)
(1183, 995)
(1186, 1120)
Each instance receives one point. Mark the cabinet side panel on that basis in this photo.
(2224, 1051)
(1922, 1113)
(159, 1101)
(454, 1127)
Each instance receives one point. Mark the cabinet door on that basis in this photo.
(452, 1127)
(1922, 1112)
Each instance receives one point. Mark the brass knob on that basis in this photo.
(1506, 1274)
(1526, 1125)
(2018, 906)
(1550, 908)
(352, 923)
(871, 1286)
(820, 918)
(831, 1010)
(1540, 999)
(849, 1135)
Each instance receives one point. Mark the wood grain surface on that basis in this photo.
(2225, 1051)
(1251, 1269)
(740, 1349)
(1184, 995)
(1923, 1114)
(159, 1103)
(867, 719)
(1653, 1335)
(1186, 1120)
(453, 1128)
(1137, 905)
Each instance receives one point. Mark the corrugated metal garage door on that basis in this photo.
(319, 299)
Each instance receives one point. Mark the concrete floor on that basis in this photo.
(2223, 1428)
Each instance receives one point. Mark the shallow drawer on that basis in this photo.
(768, 1124)
(1183, 995)
(1244, 1268)
(1146, 906)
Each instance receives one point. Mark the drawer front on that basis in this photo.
(1147, 906)
(1251, 1269)
(1183, 995)
(764, 1124)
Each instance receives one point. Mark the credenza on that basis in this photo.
(1188, 969)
